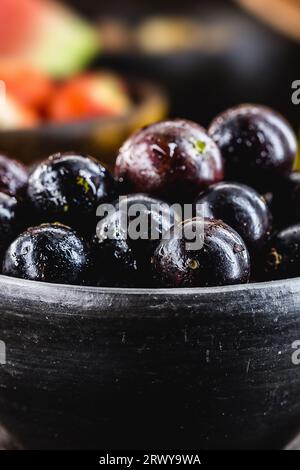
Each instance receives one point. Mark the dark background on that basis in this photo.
(259, 66)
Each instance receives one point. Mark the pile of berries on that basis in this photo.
(236, 177)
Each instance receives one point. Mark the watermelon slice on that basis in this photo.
(45, 35)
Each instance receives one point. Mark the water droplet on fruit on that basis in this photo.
(172, 146)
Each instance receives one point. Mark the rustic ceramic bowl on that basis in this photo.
(137, 368)
(99, 137)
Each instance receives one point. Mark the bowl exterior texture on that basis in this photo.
(133, 369)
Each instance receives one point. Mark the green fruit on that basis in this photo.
(46, 35)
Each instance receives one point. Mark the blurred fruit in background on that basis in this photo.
(208, 55)
(46, 35)
(49, 104)
(29, 86)
(88, 96)
(24, 136)
(33, 99)
(14, 115)
(161, 35)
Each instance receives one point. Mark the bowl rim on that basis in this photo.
(155, 292)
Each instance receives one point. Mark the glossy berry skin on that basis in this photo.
(49, 253)
(121, 259)
(286, 201)
(68, 188)
(13, 176)
(9, 220)
(242, 208)
(170, 159)
(282, 258)
(222, 260)
(257, 144)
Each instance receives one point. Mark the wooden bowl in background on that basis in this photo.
(100, 138)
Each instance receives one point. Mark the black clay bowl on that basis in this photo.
(120, 369)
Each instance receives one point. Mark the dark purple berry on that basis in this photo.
(242, 208)
(48, 253)
(222, 259)
(13, 176)
(10, 220)
(257, 144)
(171, 159)
(122, 257)
(282, 258)
(68, 188)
